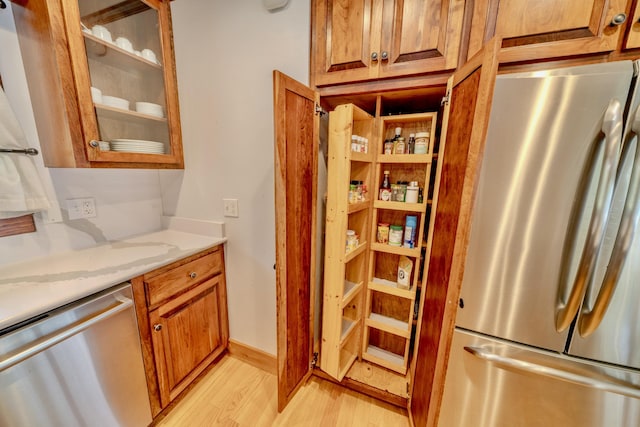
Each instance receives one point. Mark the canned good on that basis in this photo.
(395, 235)
(353, 192)
(383, 233)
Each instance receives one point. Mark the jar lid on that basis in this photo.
(383, 224)
(422, 135)
(396, 227)
(351, 233)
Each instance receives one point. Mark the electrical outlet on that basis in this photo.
(231, 208)
(81, 208)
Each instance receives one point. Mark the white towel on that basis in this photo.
(21, 190)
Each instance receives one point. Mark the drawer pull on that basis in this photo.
(157, 327)
(193, 274)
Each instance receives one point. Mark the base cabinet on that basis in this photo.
(182, 316)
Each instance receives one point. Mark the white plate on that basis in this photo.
(137, 150)
(137, 141)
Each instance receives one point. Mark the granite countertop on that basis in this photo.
(39, 285)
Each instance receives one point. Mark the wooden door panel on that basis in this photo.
(421, 35)
(464, 128)
(633, 37)
(192, 333)
(540, 29)
(296, 127)
(346, 33)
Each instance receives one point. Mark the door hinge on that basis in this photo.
(319, 110)
(445, 100)
(314, 361)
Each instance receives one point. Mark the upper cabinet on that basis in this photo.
(360, 40)
(538, 29)
(102, 81)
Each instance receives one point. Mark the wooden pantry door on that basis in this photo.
(296, 127)
(464, 129)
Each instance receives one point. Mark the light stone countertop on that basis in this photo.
(39, 285)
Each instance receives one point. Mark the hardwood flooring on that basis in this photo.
(236, 394)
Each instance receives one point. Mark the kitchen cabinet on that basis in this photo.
(360, 40)
(535, 30)
(182, 316)
(349, 274)
(632, 40)
(86, 88)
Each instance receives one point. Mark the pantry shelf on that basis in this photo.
(354, 253)
(391, 288)
(389, 324)
(385, 358)
(351, 289)
(397, 250)
(348, 327)
(405, 158)
(361, 157)
(358, 206)
(400, 206)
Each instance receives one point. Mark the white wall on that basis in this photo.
(225, 54)
(127, 201)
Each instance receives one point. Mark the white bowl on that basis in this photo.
(124, 43)
(115, 102)
(102, 33)
(150, 109)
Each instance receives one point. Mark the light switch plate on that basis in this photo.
(230, 208)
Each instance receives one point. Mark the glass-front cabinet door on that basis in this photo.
(123, 65)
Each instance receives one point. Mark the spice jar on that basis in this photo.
(383, 233)
(352, 240)
(395, 235)
(422, 143)
(411, 195)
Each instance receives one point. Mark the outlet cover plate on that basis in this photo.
(81, 208)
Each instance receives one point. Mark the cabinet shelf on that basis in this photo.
(405, 158)
(361, 157)
(397, 250)
(384, 358)
(391, 288)
(102, 51)
(354, 253)
(348, 327)
(388, 324)
(400, 206)
(351, 289)
(131, 116)
(358, 206)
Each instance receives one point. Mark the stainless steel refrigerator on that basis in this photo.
(548, 322)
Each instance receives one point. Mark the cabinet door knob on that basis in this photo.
(94, 143)
(157, 327)
(384, 56)
(193, 274)
(619, 19)
(374, 56)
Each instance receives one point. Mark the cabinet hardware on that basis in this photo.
(384, 56)
(314, 361)
(27, 151)
(320, 111)
(2, 5)
(157, 327)
(374, 56)
(445, 100)
(193, 274)
(619, 19)
(94, 143)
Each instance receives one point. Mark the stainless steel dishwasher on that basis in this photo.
(78, 365)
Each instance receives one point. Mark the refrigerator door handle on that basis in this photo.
(612, 128)
(509, 363)
(590, 318)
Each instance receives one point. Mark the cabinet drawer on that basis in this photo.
(174, 281)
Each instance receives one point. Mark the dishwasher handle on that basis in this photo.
(25, 353)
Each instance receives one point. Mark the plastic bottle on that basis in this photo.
(410, 225)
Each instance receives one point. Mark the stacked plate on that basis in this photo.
(137, 146)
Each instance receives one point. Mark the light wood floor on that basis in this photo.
(235, 393)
